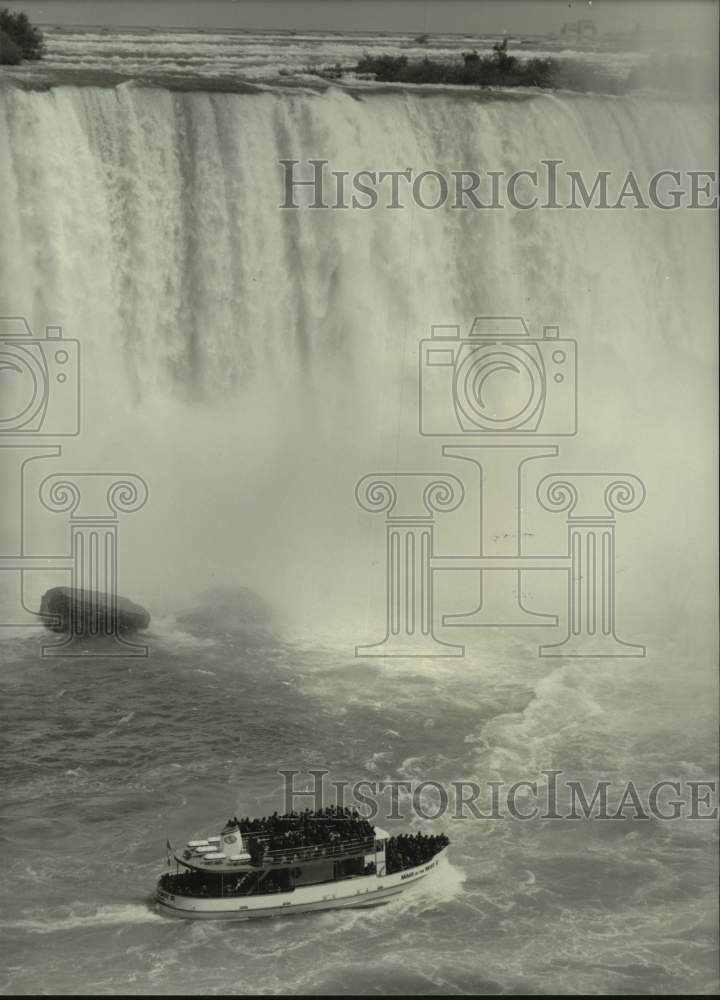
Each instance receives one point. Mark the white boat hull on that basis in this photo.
(363, 891)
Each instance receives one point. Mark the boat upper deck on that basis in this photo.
(272, 857)
(277, 841)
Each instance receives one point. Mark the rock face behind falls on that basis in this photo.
(91, 612)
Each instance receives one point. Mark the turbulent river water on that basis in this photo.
(251, 364)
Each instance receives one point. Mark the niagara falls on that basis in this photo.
(358, 420)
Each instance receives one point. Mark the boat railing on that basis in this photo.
(228, 887)
(222, 891)
(310, 852)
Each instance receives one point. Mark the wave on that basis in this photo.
(83, 916)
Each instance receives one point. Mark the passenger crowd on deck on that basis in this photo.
(303, 829)
(328, 826)
(197, 883)
(409, 850)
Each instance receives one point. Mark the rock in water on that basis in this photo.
(228, 609)
(91, 612)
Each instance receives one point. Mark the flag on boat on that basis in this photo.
(169, 848)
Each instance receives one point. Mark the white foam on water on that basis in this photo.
(87, 917)
(253, 363)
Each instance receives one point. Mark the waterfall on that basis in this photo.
(253, 362)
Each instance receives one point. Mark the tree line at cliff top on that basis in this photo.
(19, 39)
(499, 68)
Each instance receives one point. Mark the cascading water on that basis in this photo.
(253, 363)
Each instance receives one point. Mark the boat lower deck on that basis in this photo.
(359, 892)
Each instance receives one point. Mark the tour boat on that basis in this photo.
(294, 864)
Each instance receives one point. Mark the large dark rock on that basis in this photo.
(91, 612)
